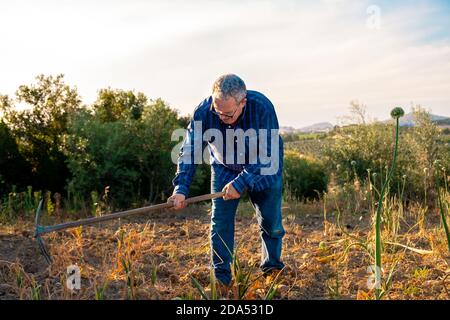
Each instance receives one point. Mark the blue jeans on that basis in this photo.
(267, 204)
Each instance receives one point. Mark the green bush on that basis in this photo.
(304, 177)
(38, 130)
(201, 184)
(355, 151)
(14, 170)
(130, 156)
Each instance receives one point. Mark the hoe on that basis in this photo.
(40, 230)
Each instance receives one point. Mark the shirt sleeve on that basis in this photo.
(191, 154)
(262, 175)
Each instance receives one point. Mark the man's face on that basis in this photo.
(229, 109)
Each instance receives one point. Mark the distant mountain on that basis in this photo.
(317, 127)
(408, 120)
(443, 122)
(287, 130)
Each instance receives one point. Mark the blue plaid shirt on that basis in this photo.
(258, 113)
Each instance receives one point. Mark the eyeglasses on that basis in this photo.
(226, 116)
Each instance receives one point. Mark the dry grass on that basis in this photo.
(152, 257)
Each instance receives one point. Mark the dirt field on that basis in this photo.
(152, 257)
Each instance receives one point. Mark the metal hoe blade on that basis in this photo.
(37, 233)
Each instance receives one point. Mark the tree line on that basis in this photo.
(119, 145)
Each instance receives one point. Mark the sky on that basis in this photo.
(310, 58)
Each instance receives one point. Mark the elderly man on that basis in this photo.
(249, 118)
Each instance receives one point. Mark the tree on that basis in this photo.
(113, 105)
(39, 128)
(155, 146)
(14, 170)
(131, 155)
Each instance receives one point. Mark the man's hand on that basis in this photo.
(177, 200)
(230, 192)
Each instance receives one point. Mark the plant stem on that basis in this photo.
(378, 217)
(443, 218)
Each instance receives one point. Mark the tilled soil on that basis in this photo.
(156, 257)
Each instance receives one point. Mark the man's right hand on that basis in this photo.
(177, 200)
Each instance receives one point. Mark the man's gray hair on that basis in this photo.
(230, 85)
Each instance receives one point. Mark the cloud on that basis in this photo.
(310, 58)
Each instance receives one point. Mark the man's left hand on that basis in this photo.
(230, 192)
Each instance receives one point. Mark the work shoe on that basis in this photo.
(272, 274)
